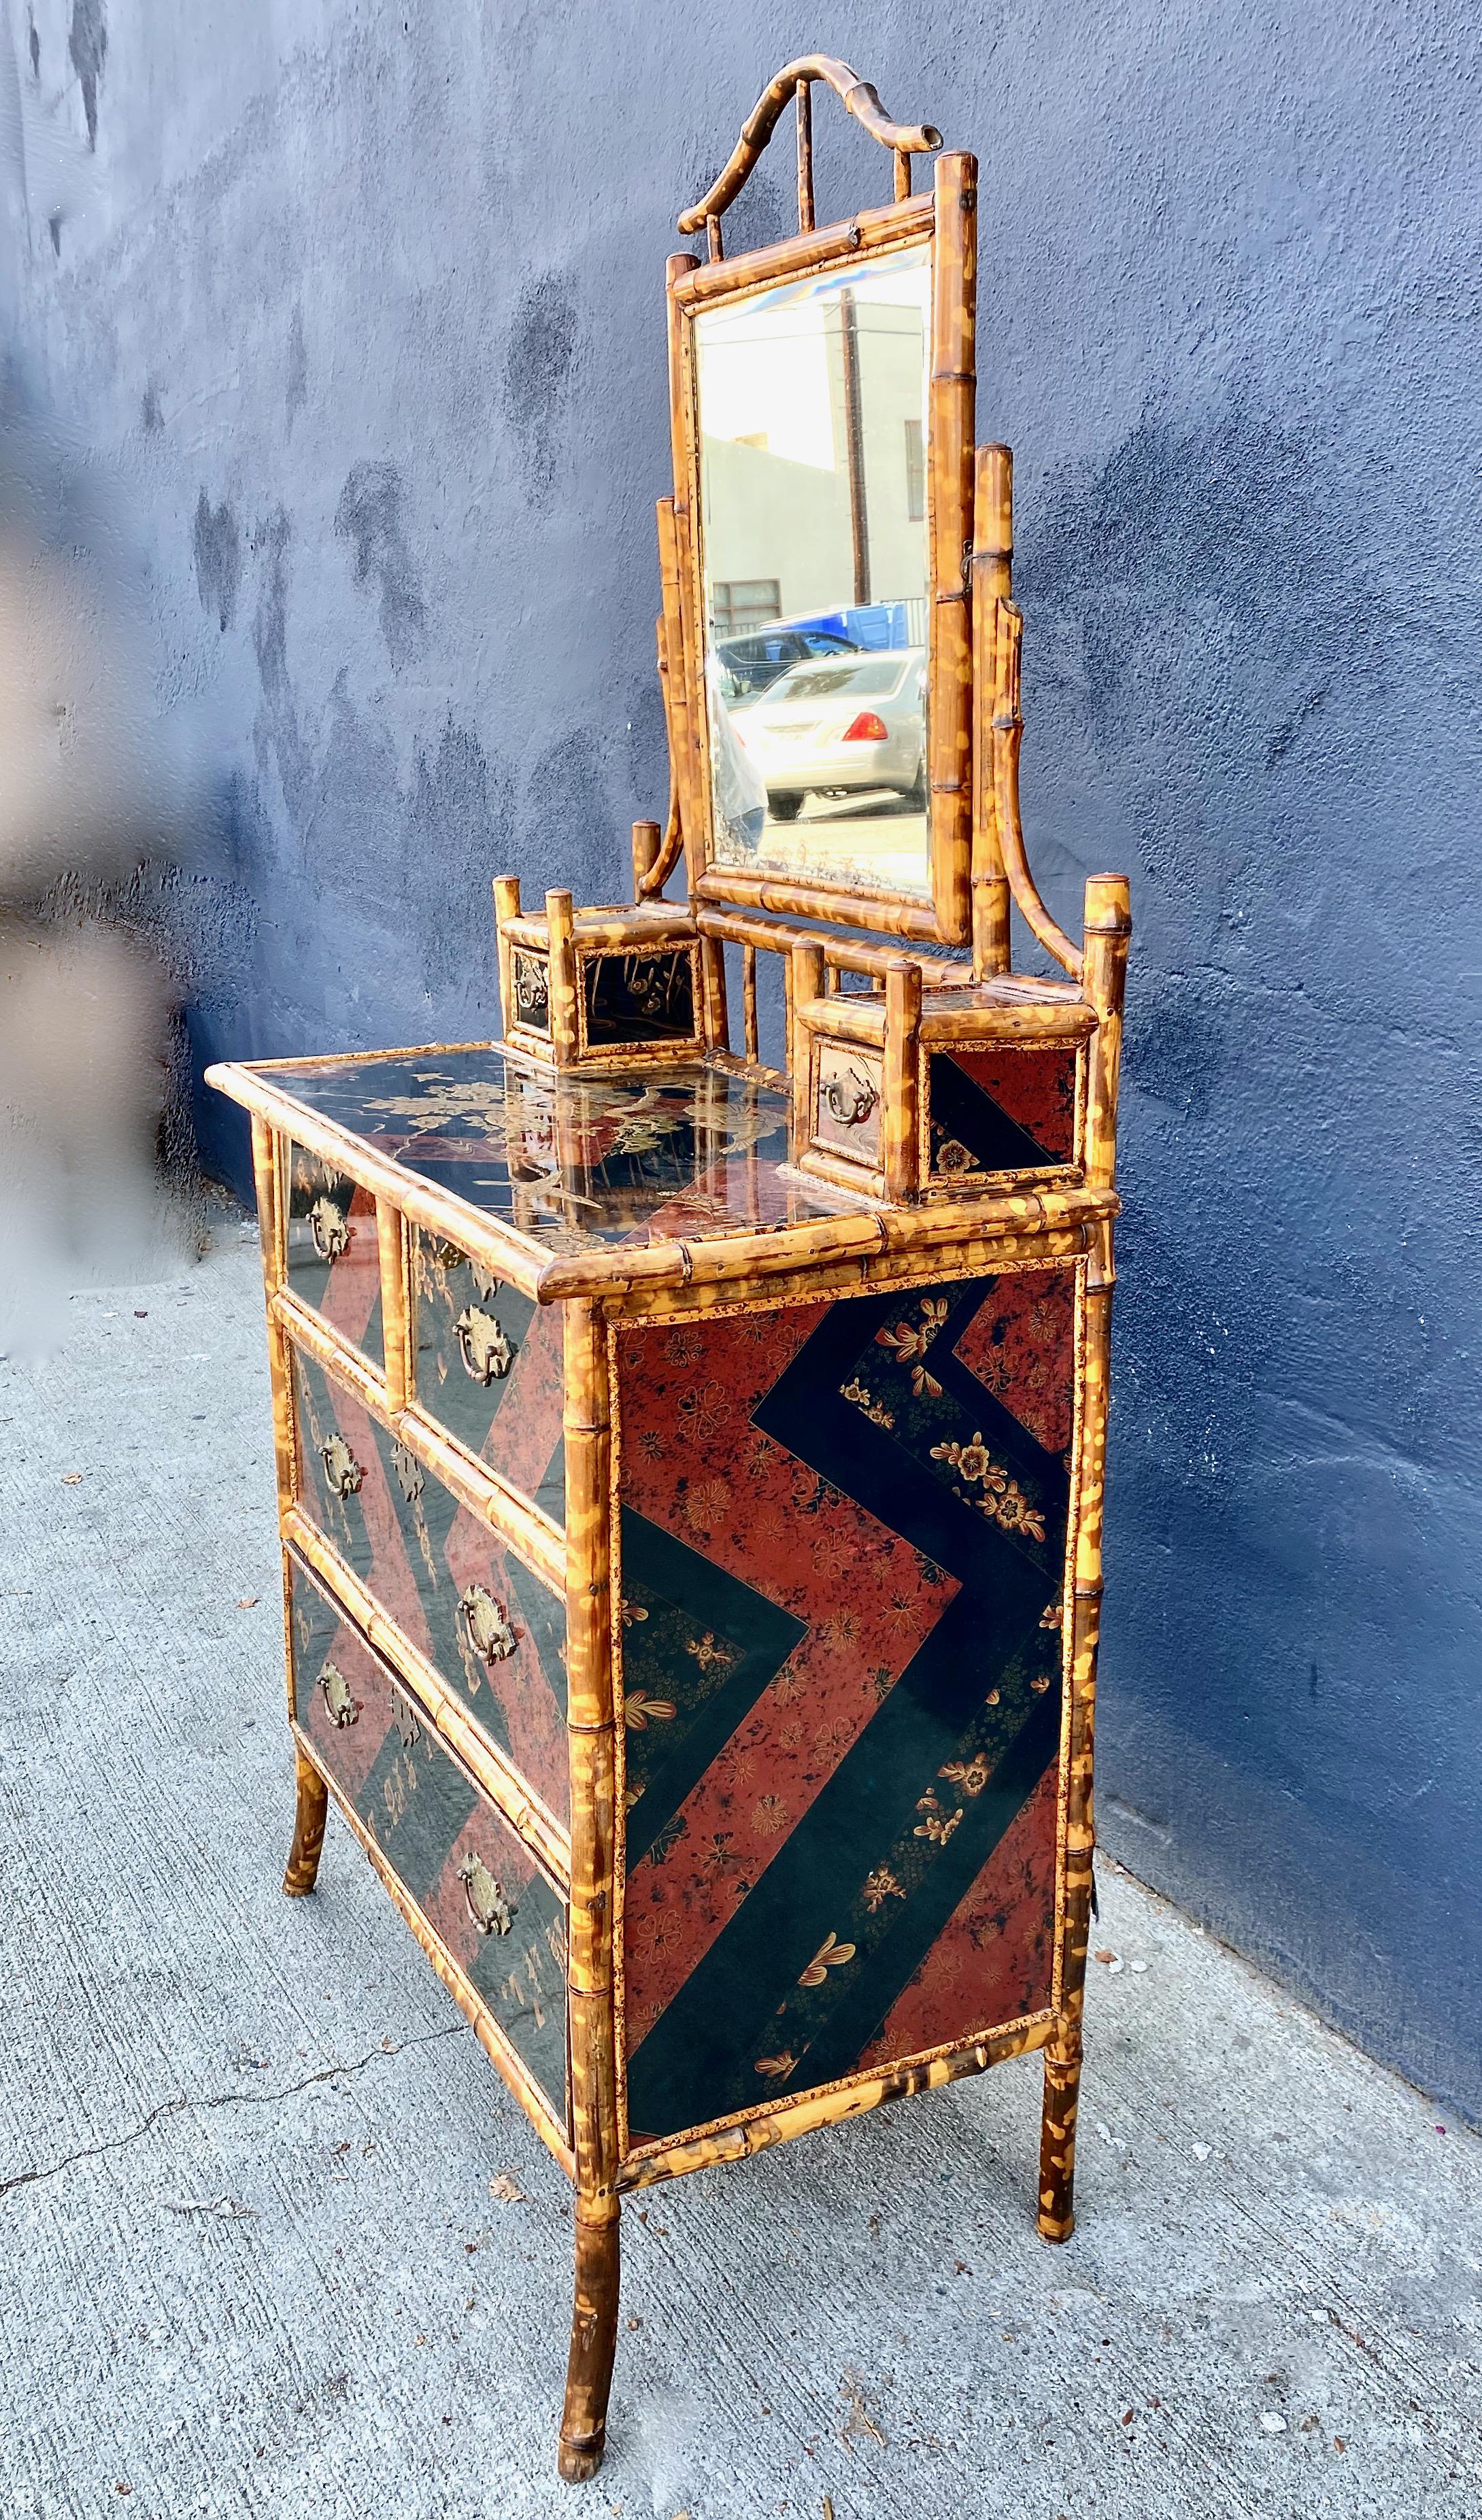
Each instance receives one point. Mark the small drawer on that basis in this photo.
(530, 974)
(641, 997)
(332, 1254)
(490, 1628)
(475, 1883)
(488, 1367)
(848, 1101)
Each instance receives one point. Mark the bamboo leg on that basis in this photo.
(594, 2339)
(309, 1817)
(592, 1747)
(1108, 928)
(1062, 2086)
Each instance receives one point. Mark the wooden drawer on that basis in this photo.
(492, 1630)
(475, 1883)
(487, 1368)
(332, 1257)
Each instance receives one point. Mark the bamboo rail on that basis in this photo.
(858, 97)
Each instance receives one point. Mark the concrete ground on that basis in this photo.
(1271, 2304)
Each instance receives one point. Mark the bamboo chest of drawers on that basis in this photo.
(691, 1469)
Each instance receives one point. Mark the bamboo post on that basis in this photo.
(395, 1328)
(592, 1745)
(804, 158)
(1008, 732)
(748, 997)
(505, 908)
(805, 964)
(562, 983)
(715, 1013)
(311, 1800)
(1107, 930)
(953, 391)
(992, 577)
(900, 1145)
(645, 845)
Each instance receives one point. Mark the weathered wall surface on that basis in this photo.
(359, 309)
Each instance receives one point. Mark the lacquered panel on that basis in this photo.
(488, 1367)
(1001, 1110)
(477, 1884)
(334, 1261)
(490, 1628)
(842, 1562)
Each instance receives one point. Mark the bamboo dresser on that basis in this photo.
(690, 1468)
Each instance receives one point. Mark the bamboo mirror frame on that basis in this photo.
(943, 222)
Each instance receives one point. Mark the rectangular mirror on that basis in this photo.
(812, 423)
(818, 591)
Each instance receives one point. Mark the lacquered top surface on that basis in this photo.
(573, 1161)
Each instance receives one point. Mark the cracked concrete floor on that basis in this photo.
(252, 2264)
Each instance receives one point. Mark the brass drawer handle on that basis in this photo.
(330, 1227)
(851, 1108)
(489, 1625)
(341, 1469)
(487, 1354)
(344, 1707)
(490, 1906)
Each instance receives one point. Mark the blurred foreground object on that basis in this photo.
(84, 1062)
(87, 795)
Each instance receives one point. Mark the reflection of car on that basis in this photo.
(750, 664)
(858, 722)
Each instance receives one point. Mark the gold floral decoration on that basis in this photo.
(639, 1710)
(909, 1341)
(936, 1824)
(971, 1774)
(880, 1886)
(863, 1399)
(831, 1954)
(707, 1653)
(777, 2069)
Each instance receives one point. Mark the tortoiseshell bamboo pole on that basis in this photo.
(806, 964)
(505, 908)
(646, 848)
(395, 1315)
(953, 390)
(561, 978)
(748, 1001)
(1008, 739)
(591, 1723)
(311, 1811)
(992, 577)
(804, 158)
(869, 229)
(837, 903)
(782, 2123)
(899, 1095)
(1107, 930)
(714, 1013)
(310, 1801)
(684, 634)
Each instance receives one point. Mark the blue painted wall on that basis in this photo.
(359, 311)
